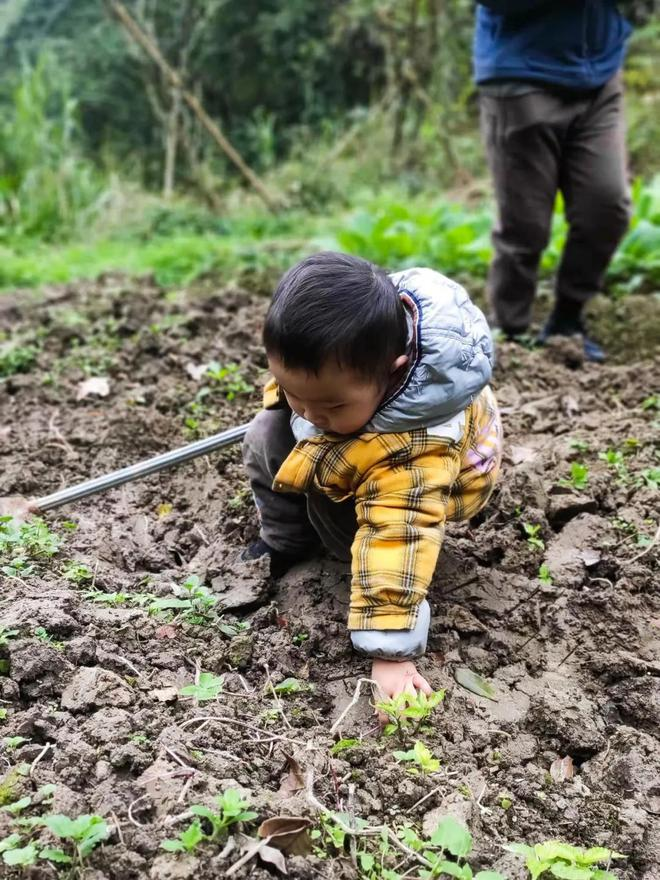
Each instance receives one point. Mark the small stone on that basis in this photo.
(93, 687)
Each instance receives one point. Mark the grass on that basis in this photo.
(179, 242)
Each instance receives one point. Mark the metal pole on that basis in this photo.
(142, 468)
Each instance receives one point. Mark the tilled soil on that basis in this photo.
(574, 662)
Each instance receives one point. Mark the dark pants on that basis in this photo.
(292, 523)
(539, 143)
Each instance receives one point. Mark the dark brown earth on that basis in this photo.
(575, 663)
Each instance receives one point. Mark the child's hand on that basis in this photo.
(395, 677)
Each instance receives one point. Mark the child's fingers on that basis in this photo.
(421, 684)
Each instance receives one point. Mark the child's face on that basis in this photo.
(337, 400)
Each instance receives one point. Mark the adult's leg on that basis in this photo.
(523, 137)
(594, 184)
(285, 525)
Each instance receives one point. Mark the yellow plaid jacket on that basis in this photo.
(405, 486)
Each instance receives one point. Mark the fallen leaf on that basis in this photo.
(196, 371)
(166, 694)
(474, 683)
(294, 780)
(97, 386)
(562, 769)
(272, 856)
(166, 632)
(288, 834)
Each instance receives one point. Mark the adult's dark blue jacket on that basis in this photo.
(575, 43)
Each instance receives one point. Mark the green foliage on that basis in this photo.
(343, 744)
(212, 825)
(228, 379)
(16, 358)
(556, 859)
(533, 539)
(207, 688)
(77, 572)
(578, 478)
(46, 188)
(44, 636)
(407, 712)
(23, 546)
(545, 575)
(193, 602)
(290, 686)
(421, 756)
(6, 634)
(83, 834)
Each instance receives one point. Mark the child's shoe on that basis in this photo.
(280, 563)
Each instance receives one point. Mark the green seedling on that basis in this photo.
(558, 859)
(192, 603)
(24, 544)
(207, 688)
(139, 739)
(241, 499)
(407, 712)
(16, 359)
(6, 634)
(649, 478)
(615, 460)
(17, 806)
(300, 638)
(533, 531)
(210, 825)
(228, 379)
(445, 852)
(290, 686)
(651, 403)
(579, 477)
(11, 743)
(77, 572)
(83, 835)
(422, 757)
(3, 714)
(44, 636)
(580, 446)
(544, 575)
(343, 744)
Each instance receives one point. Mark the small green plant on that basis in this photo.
(16, 359)
(77, 572)
(22, 545)
(652, 402)
(44, 636)
(11, 743)
(580, 446)
(343, 744)
(6, 634)
(422, 757)
(533, 536)
(3, 714)
(82, 834)
(450, 839)
(578, 478)
(229, 379)
(207, 688)
(558, 859)
(407, 713)
(210, 825)
(544, 575)
(615, 460)
(192, 602)
(649, 478)
(290, 686)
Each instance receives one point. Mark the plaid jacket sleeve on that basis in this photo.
(401, 503)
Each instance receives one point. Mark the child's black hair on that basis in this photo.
(335, 307)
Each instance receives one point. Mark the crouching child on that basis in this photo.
(379, 427)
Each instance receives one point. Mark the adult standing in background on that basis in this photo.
(551, 97)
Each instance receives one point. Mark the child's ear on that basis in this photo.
(399, 362)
